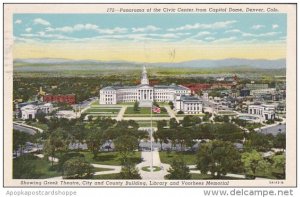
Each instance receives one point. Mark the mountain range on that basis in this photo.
(204, 63)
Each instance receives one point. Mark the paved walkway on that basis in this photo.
(227, 175)
(171, 112)
(121, 113)
(19, 125)
(158, 175)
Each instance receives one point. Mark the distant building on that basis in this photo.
(188, 104)
(141, 93)
(267, 112)
(244, 92)
(255, 86)
(258, 92)
(69, 98)
(30, 111)
(68, 114)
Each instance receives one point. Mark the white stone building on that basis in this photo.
(188, 104)
(141, 93)
(30, 111)
(267, 112)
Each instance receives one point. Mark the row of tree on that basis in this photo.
(218, 158)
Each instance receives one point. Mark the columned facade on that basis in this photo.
(141, 93)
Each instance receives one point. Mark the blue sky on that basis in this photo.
(167, 27)
(150, 37)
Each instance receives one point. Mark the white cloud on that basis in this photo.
(256, 27)
(112, 31)
(216, 25)
(209, 38)
(18, 21)
(203, 33)
(87, 27)
(273, 33)
(225, 40)
(233, 31)
(28, 29)
(149, 28)
(40, 21)
(275, 26)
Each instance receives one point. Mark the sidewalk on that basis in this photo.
(158, 175)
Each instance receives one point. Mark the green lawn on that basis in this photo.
(103, 110)
(183, 115)
(144, 112)
(107, 176)
(102, 169)
(189, 158)
(109, 158)
(207, 176)
(146, 123)
(227, 113)
(39, 125)
(31, 167)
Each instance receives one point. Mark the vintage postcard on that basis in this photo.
(150, 95)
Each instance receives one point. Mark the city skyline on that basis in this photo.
(150, 37)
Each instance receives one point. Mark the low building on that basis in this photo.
(188, 104)
(68, 98)
(68, 114)
(267, 112)
(255, 86)
(142, 93)
(259, 92)
(30, 111)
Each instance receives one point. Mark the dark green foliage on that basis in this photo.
(77, 168)
(218, 158)
(179, 170)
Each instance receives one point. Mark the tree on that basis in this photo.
(218, 157)
(20, 139)
(125, 145)
(171, 104)
(179, 170)
(253, 161)
(258, 141)
(173, 123)
(227, 132)
(55, 143)
(161, 124)
(161, 135)
(77, 168)
(136, 106)
(279, 162)
(280, 141)
(129, 171)
(94, 139)
(190, 121)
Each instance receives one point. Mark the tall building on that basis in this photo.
(142, 92)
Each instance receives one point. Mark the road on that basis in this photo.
(24, 129)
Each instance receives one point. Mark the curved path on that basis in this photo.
(159, 175)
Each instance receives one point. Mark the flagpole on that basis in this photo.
(151, 140)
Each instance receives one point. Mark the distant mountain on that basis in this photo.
(224, 63)
(233, 62)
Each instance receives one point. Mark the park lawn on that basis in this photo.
(110, 158)
(146, 115)
(189, 158)
(196, 176)
(102, 110)
(39, 125)
(38, 168)
(146, 123)
(107, 176)
(183, 115)
(102, 169)
(143, 110)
